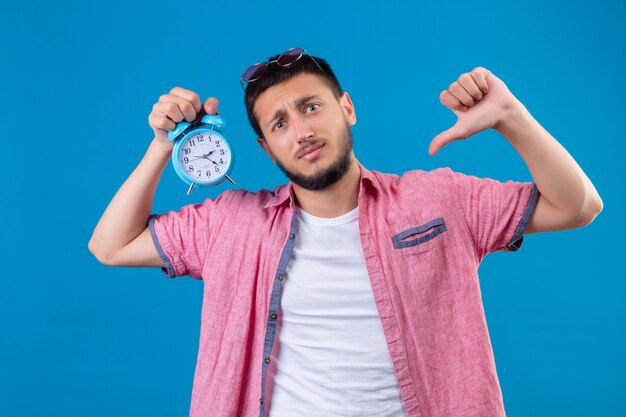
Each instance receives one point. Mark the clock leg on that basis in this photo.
(190, 188)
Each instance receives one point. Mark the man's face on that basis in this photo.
(307, 130)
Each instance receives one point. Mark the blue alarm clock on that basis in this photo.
(201, 154)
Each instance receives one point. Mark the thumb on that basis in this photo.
(209, 107)
(442, 139)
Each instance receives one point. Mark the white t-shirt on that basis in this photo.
(330, 357)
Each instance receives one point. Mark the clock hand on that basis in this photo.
(203, 156)
(214, 163)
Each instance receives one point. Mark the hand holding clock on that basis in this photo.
(177, 105)
(191, 133)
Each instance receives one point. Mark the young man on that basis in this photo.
(345, 292)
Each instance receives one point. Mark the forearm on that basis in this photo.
(127, 214)
(558, 177)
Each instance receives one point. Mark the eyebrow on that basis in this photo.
(297, 103)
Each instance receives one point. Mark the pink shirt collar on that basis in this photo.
(284, 192)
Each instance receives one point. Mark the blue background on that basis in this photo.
(78, 80)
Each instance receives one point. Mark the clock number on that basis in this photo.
(190, 168)
(221, 151)
(217, 169)
(199, 174)
(187, 151)
(200, 138)
(221, 161)
(192, 142)
(217, 143)
(186, 160)
(208, 173)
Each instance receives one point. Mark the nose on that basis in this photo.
(301, 129)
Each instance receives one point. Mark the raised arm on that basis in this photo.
(122, 237)
(482, 101)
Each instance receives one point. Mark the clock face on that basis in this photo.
(204, 156)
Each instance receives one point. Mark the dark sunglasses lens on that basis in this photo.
(289, 57)
(254, 72)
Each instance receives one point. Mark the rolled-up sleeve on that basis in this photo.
(181, 238)
(497, 213)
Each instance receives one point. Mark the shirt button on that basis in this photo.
(267, 360)
(292, 235)
(273, 316)
(261, 400)
(281, 277)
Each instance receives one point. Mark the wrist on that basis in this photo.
(514, 118)
(161, 147)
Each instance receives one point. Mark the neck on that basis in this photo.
(335, 200)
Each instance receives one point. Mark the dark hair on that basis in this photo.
(275, 74)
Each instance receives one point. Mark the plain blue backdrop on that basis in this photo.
(78, 80)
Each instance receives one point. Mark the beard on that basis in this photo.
(325, 177)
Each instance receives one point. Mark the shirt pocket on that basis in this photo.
(419, 238)
(422, 257)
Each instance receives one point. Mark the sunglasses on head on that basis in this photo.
(285, 59)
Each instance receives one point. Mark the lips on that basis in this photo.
(309, 150)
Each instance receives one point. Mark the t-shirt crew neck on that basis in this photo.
(308, 218)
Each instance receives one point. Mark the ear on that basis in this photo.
(348, 108)
(261, 141)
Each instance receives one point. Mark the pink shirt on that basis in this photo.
(423, 235)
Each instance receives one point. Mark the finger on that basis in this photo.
(210, 105)
(479, 75)
(160, 121)
(188, 95)
(468, 83)
(450, 101)
(442, 139)
(168, 109)
(184, 105)
(461, 94)
(433, 148)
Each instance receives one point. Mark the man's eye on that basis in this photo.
(312, 106)
(279, 125)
